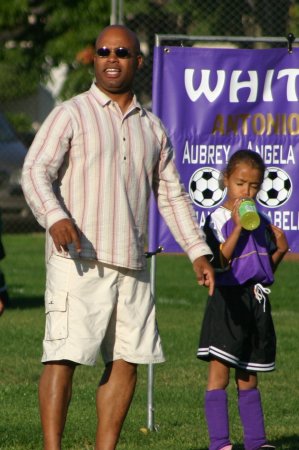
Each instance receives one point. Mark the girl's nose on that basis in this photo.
(246, 191)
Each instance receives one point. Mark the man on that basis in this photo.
(88, 177)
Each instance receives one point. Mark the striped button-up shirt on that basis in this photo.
(94, 164)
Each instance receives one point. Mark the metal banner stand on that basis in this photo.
(150, 384)
(159, 38)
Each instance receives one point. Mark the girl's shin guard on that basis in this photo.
(252, 418)
(216, 410)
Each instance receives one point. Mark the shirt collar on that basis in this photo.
(104, 99)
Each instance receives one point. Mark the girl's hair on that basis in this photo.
(245, 156)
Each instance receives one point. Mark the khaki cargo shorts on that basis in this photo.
(92, 307)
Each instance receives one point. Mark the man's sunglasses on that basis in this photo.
(120, 52)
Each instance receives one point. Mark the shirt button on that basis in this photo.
(124, 138)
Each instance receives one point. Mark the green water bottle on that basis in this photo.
(249, 216)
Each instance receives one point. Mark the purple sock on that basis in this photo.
(217, 418)
(252, 418)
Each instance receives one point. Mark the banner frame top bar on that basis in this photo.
(183, 37)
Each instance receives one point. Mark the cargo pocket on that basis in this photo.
(56, 315)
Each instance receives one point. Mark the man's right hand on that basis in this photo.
(204, 273)
(63, 233)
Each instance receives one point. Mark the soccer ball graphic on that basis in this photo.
(276, 188)
(204, 188)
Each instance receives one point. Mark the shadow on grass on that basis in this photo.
(287, 443)
(25, 302)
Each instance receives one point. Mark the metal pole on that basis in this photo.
(183, 37)
(150, 385)
(113, 16)
(117, 12)
(150, 398)
(120, 12)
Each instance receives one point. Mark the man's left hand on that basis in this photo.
(204, 273)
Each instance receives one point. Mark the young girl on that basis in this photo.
(237, 329)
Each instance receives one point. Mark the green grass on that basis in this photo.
(179, 383)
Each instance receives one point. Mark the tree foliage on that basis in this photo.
(38, 35)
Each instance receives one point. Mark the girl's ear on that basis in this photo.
(224, 179)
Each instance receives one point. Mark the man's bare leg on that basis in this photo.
(55, 390)
(114, 397)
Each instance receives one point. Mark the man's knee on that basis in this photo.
(121, 369)
(59, 370)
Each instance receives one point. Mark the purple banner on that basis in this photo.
(216, 101)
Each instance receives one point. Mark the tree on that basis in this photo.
(38, 35)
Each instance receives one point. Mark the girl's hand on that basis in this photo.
(229, 245)
(281, 244)
(280, 239)
(235, 212)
